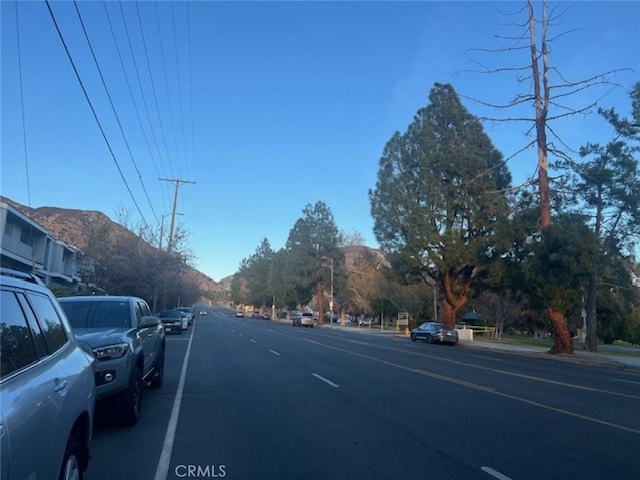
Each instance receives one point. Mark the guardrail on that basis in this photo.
(478, 329)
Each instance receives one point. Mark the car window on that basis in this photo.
(55, 336)
(139, 313)
(146, 311)
(90, 314)
(17, 347)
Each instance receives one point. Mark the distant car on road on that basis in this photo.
(433, 332)
(239, 313)
(303, 319)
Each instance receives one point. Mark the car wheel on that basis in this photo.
(130, 401)
(428, 338)
(73, 455)
(413, 337)
(158, 376)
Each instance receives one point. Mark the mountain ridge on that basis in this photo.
(75, 227)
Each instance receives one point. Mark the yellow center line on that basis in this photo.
(477, 387)
(503, 372)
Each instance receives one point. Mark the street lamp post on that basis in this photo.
(331, 297)
(331, 292)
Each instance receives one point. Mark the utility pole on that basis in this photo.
(177, 183)
(162, 228)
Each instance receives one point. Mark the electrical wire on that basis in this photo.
(133, 101)
(113, 108)
(95, 115)
(153, 87)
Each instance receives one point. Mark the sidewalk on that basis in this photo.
(602, 359)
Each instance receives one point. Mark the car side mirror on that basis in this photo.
(149, 321)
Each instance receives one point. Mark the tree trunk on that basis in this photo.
(542, 96)
(451, 304)
(562, 342)
(591, 342)
(448, 315)
(320, 303)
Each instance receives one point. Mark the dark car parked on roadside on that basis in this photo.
(434, 332)
(171, 320)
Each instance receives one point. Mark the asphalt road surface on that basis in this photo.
(256, 399)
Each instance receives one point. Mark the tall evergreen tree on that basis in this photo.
(313, 241)
(439, 194)
(608, 187)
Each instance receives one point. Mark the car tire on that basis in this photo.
(129, 402)
(158, 376)
(428, 338)
(73, 459)
(413, 337)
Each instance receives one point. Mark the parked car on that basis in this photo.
(433, 332)
(185, 320)
(365, 322)
(47, 384)
(239, 313)
(172, 320)
(305, 319)
(188, 312)
(128, 343)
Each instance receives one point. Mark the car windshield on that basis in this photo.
(97, 314)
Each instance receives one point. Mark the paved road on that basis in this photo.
(263, 400)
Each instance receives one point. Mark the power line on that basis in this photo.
(144, 98)
(153, 87)
(24, 127)
(113, 108)
(133, 101)
(95, 115)
(166, 81)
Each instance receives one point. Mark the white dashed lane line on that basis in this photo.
(329, 382)
(494, 473)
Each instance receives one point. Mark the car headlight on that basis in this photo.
(111, 351)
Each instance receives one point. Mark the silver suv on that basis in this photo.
(47, 388)
(128, 344)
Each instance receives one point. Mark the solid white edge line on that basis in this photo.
(325, 380)
(626, 381)
(167, 448)
(495, 473)
(274, 352)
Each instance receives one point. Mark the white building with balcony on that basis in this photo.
(28, 246)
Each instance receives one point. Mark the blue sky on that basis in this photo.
(266, 106)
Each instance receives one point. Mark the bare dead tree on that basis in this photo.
(550, 103)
